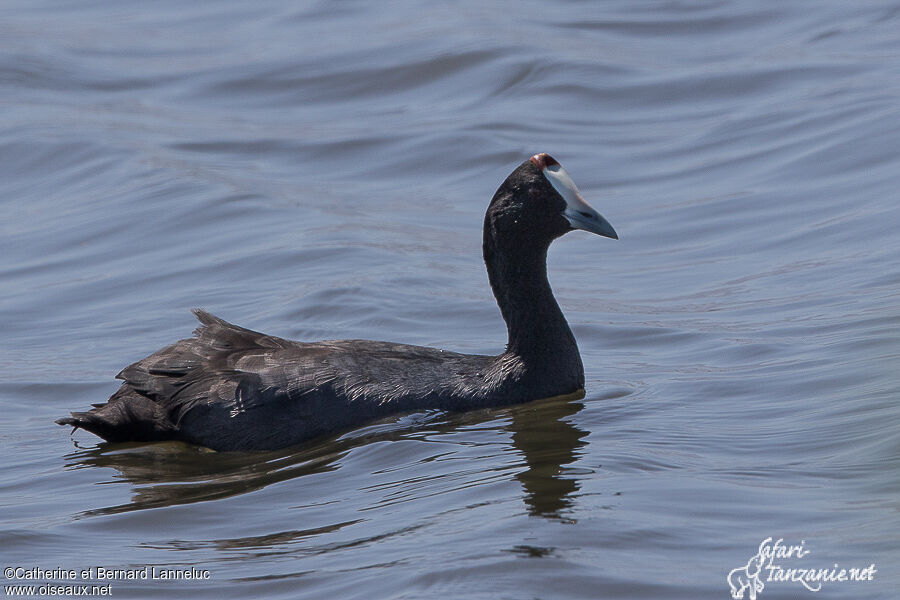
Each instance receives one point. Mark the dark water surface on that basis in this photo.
(321, 171)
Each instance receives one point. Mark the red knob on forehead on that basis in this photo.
(542, 160)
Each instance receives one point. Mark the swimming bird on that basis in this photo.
(233, 389)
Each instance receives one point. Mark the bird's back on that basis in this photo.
(230, 388)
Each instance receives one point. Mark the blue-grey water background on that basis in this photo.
(319, 170)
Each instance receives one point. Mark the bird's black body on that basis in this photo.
(230, 388)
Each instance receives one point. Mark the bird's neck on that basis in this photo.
(538, 331)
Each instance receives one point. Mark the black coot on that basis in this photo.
(229, 388)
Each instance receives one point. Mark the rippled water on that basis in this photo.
(321, 172)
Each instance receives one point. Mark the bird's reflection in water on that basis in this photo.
(174, 473)
(541, 432)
